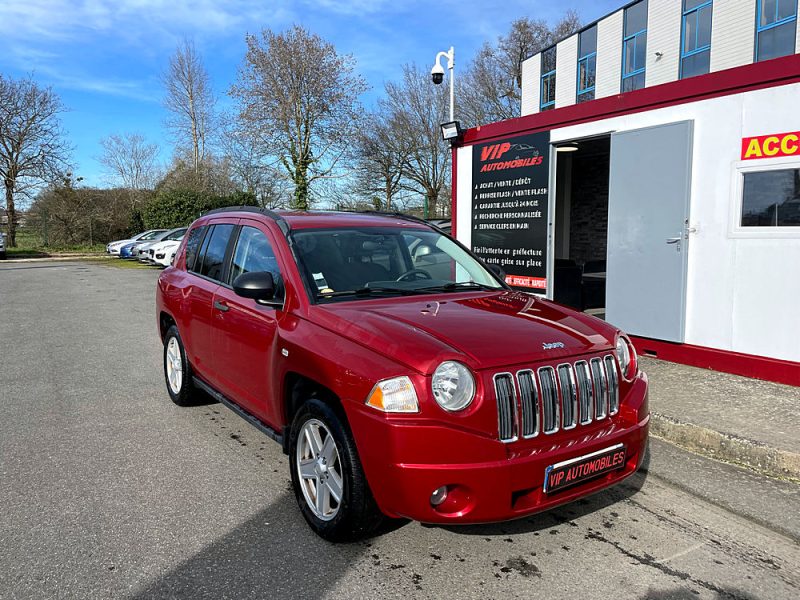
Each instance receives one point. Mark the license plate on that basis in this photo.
(580, 469)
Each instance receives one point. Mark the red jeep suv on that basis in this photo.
(399, 372)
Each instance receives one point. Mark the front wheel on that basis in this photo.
(177, 372)
(327, 477)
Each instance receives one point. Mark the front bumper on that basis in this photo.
(489, 481)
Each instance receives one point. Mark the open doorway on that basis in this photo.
(581, 224)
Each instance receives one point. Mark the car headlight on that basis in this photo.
(626, 355)
(395, 395)
(453, 386)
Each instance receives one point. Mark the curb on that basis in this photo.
(724, 446)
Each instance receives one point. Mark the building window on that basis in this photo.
(771, 198)
(634, 46)
(776, 22)
(587, 63)
(548, 91)
(696, 37)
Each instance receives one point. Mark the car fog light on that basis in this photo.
(439, 495)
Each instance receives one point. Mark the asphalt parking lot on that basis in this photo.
(108, 490)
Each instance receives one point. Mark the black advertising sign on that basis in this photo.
(509, 207)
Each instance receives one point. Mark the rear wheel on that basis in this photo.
(327, 477)
(177, 373)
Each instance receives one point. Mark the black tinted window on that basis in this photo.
(771, 199)
(214, 256)
(253, 253)
(193, 246)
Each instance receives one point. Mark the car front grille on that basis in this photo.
(556, 397)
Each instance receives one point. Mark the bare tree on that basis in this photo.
(190, 100)
(32, 146)
(130, 161)
(416, 110)
(380, 160)
(298, 97)
(490, 90)
(251, 169)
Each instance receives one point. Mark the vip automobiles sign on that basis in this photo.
(509, 207)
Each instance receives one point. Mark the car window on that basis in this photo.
(175, 235)
(214, 255)
(253, 253)
(151, 235)
(193, 246)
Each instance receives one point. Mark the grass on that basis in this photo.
(29, 243)
(116, 262)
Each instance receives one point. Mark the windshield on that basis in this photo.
(175, 234)
(347, 263)
(151, 235)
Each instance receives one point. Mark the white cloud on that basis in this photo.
(64, 19)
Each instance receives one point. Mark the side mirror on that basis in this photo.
(498, 270)
(258, 285)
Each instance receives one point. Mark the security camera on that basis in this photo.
(437, 73)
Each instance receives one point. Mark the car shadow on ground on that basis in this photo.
(565, 513)
(274, 554)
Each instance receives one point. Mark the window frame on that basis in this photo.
(777, 23)
(627, 38)
(550, 76)
(232, 254)
(697, 49)
(735, 228)
(585, 59)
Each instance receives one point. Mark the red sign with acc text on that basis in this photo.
(770, 146)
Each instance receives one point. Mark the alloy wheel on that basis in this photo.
(319, 469)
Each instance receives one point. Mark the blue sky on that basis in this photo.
(104, 57)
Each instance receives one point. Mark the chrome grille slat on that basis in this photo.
(585, 395)
(599, 382)
(569, 396)
(529, 403)
(556, 397)
(506, 406)
(551, 411)
(613, 385)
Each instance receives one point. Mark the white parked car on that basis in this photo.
(164, 252)
(144, 252)
(115, 246)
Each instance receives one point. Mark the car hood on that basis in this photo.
(165, 245)
(484, 330)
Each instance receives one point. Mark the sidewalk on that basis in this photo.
(736, 419)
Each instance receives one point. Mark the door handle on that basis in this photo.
(673, 240)
(221, 306)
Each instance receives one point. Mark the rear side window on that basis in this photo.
(214, 255)
(193, 246)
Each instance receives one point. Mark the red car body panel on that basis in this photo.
(249, 353)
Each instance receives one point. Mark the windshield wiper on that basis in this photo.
(462, 285)
(369, 291)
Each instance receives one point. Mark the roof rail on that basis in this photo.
(282, 223)
(398, 215)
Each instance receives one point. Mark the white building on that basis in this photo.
(654, 180)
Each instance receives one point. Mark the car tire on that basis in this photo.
(355, 515)
(177, 371)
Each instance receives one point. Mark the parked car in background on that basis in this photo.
(2, 246)
(400, 384)
(132, 250)
(115, 246)
(145, 251)
(164, 252)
